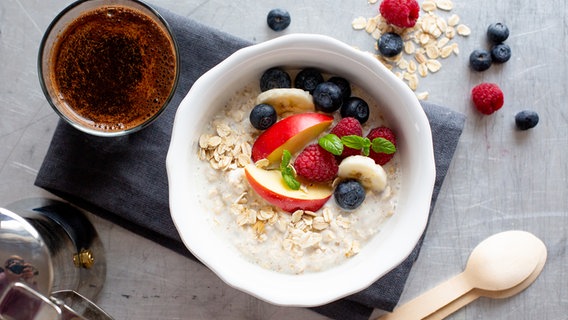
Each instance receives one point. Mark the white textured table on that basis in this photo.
(500, 178)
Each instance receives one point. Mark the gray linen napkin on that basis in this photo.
(124, 179)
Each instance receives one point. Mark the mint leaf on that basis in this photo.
(287, 171)
(286, 156)
(354, 141)
(357, 142)
(331, 143)
(290, 181)
(382, 145)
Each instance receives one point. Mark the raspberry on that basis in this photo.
(315, 164)
(487, 97)
(346, 127)
(386, 133)
(401, 13)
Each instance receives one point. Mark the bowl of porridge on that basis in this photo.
(300, 170)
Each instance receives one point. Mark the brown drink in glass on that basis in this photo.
(108, 68)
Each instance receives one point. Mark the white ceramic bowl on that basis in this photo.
(402, 111)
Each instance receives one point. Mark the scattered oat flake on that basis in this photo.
(446, 5)
(359, 23)
(453, 20)
(463, 30)
(409, 47)
(429, 41)
(371, 25)
(423, 69)
(428, 6)
(446, 51)
(422, 95)
(433, 65)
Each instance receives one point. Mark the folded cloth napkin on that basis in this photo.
(124, 179)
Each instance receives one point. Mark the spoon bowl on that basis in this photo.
(501, 262)
(471, 296)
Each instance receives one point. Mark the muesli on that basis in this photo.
(251, 174)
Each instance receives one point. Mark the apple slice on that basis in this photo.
(291, 133)
(272, 188)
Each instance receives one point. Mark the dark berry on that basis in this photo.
(275, 78)
(500, 53)
(278, 19)
(497, 32)
(308, 79)
(526, 119)
(480, 60)
(349, 194)
(327, 97)
(390, 44)
(356, 108)
(262, 116)
(343, 85)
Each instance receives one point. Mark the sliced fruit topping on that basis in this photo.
(291, 133)
(271, 187)
(371, 175)
(287, 100)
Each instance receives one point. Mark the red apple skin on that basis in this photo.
(269, 185)
(291, 133)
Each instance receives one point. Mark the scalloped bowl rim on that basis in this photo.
(384, 252)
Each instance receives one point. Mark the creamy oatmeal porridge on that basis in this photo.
(290, 242)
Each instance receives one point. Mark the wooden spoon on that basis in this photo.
(500, 262)
(476, 293)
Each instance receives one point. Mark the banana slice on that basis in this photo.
(371, 175)
(287, 100)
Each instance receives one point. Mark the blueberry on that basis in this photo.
(357, 108)
(501, 53)
(497, 32)
(262, 116)
(343, 85)
(275, 78)
(480, 60)
(308, 79)
(327, 97)
(349, 194)
(390, 44)
(526, 119)
(278, 19)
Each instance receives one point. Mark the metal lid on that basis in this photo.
(24, 256)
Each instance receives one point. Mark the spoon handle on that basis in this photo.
(454, 306)
(432, 300)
